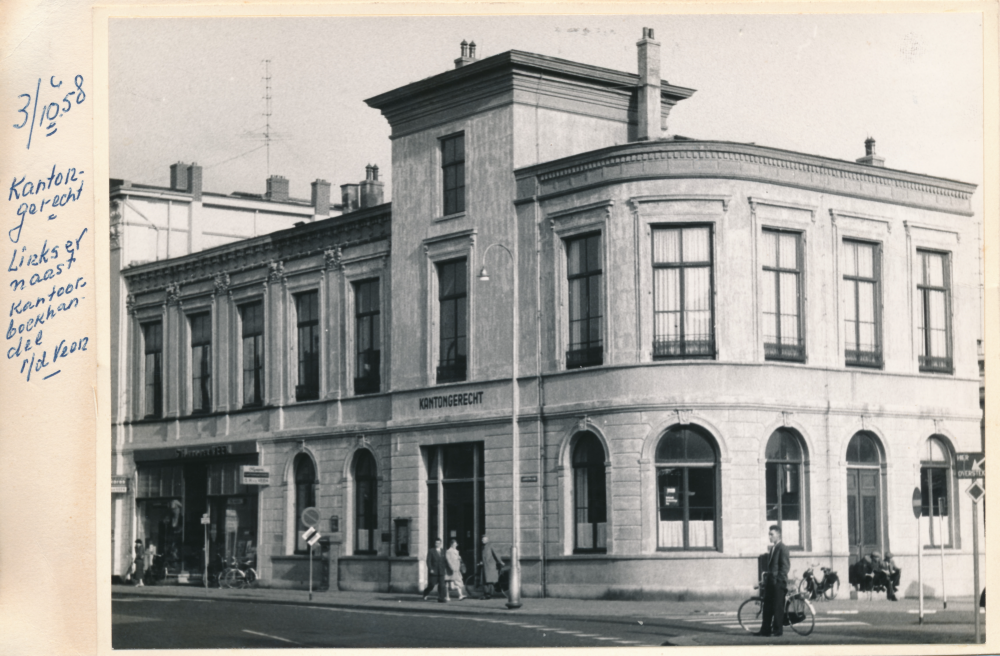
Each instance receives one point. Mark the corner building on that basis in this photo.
(711, 338)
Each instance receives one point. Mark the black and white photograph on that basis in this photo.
(541, 331)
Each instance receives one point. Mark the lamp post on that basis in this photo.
(515, 565)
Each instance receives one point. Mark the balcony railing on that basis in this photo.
(863, 358)
(794, 352)
(683, 348)
(451, 371)
(936, 364)
(370, 384)
(591, 356)
(306, 392)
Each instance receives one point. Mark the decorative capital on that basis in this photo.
(581, 424)
(333, 258)
(221, 283)
(275, 271)
(173, 291)
(683, 416)
(130, 304)
(115, 219)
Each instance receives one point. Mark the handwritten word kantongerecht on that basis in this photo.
(66, 191)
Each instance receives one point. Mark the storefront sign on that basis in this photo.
(189, 453)
(119, 485)
(254, 475)
(451, 400)
(529, 479)
(207, 452)
(970, 465)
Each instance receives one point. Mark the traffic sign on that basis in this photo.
(206, 519)
(970, 465)
(976, 491)
(310, 517)
(311, 531)
(918, 505)
(313, 540)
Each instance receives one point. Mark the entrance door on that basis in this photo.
(863, 512)
(455, 495)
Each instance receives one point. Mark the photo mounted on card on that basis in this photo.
(645, 329)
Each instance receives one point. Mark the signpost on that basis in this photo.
(310, 518)
(976, 491)
(206, 519)
(917, 511)
(944, 595)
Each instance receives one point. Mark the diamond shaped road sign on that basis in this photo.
(976, 491)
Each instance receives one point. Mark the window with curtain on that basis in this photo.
(934, 326)
(365, 503)
(589, 495)
(305, 496)
(452, 304)
(201, 362)
(583, 271)
(935, 487)
(307, 326)
(453, 173)
(686, 484)
(152, 340)
(784, 486)
(682, 293)
(367, 338)
(252, 320)
(781, 295)
(861, 297)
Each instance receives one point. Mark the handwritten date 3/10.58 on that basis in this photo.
(51, 111)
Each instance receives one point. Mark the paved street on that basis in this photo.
(185, 617)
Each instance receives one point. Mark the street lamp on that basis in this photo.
(515, 564)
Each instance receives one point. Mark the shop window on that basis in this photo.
(453, 173)
(583, 269)
(862, 304)
(934, 325)
(935, 493)
(784, 480)
(589, 495)
(365, 503)
(452, 302)
(307, 324)
(687, 489)
(305, 496)
(367, 337)
(781, 295)
(682, 293)
(152, 338)
(252, 316)
(201, 362)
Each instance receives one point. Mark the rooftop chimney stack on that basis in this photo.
(179, 176)
(194, 180)
(468, 54)
(349, 197)
(277, 188)
(648, 106)
(321, 197)
(870, 159)
(372, 189)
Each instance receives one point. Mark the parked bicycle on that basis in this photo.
(475, 580)
(238, 574)
(799, 613)
(824, 588)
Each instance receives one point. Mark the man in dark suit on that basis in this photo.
(775, 585)
(437, 569)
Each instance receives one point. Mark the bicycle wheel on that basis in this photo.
(831, 592)
(749, 614)
(233, 578)
(806, 588)
(251, 577)
(805, 627)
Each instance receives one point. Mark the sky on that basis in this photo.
(193, 89)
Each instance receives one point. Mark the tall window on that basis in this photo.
(252, 318)
(453, 170)
(152, 338)
(686, 482)
(201, 362)
(934, 328)
(583, 269)
(865, 516)
(305, 496)
(783, 478)
(682, 293)
(365, 503)
(589, 495)
(935, 475)
(367, 337)
(861, 297)
(452, 298)
(307, 321)
(781, 254)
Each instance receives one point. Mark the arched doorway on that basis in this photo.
(865, 514)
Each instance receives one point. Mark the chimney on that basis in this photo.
(870, 158)
(277, 188)
(372, 189)
(179, 176)
(648, 105)
(468, 54)
(321, 197)
(348, 197)
(194, 180)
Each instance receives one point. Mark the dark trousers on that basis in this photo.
(488, 590)
(442, 586)
(773, 615)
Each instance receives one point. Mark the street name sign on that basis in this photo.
(970, 465)
(976, 491)
(206, 519)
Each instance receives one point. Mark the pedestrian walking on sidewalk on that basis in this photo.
(457, 570)
(775, 585)
(140, 563)
(437, 571)
(491, 565)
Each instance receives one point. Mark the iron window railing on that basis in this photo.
(683, 289)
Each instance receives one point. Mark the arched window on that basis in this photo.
(687, 489)
(589, 495)
(935, 491)
(305, 496)
(785, 486)
(865, 513)
(365, 503)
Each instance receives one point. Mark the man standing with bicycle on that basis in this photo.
(775, 585)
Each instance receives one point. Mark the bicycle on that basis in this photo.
(799, 613)
(825, 589)
(238, 575)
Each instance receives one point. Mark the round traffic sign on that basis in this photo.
(917, 502)
(310, 517)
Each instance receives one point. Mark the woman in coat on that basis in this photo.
(140, 557)
(491, 561)
(454, 576)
